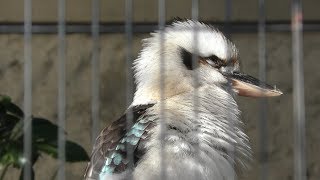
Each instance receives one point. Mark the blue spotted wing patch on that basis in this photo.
(109, 155)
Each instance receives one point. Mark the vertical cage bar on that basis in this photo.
(227, 30)
(227, 18)
(95, 70)
(61, 89)
(262, 124)
(195, 64)
(161, 24)
(130, 86)
(28, 173)
(298, 92)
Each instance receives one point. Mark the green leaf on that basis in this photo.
(5, 99)
(11, 154)
(7, 125)
(11, 118)
(14, 109)
(3, 111)
(50, 149)
(75, 153)
(43, 130)
(17, 131)
(6, 106)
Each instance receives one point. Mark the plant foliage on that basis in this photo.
(44, 138)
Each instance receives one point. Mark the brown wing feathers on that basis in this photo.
(109, 153)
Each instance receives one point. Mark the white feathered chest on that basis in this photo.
(200, 142)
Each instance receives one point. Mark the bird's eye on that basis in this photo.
(215, 62)
(211, 62)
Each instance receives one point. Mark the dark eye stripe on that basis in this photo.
(215, 61)
(213, 58)
(187, 60)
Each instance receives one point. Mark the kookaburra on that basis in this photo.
(185, 120)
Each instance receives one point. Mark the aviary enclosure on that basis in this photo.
(70, 62)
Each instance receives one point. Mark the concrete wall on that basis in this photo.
(113, 74)
(147, 10)
(113, 94)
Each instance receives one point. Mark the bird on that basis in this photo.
(185, 122)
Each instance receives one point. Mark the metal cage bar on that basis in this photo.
(161, 26)
(228, 16)
(300, 172)
(227, 31)
(195, 63)
(130, 86)
(61, 89)
(112, 28)
(28, 173)
(262, 123)
(95, 70)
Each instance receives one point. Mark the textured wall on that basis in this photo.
(147, 10)
(113, 93)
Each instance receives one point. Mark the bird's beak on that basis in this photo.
(249, 86)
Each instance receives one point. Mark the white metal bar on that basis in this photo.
(227, 18)
(61, 89)
(298, 92)
(195, 64)
(161, 25)
(262, 124)
(27, 102)
(130, 81)
(95, 70)
(227, 29)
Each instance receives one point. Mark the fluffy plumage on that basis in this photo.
(203, 139)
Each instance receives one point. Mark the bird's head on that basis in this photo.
(190, 54)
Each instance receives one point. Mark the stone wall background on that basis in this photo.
(113, 74)
(146, 10)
